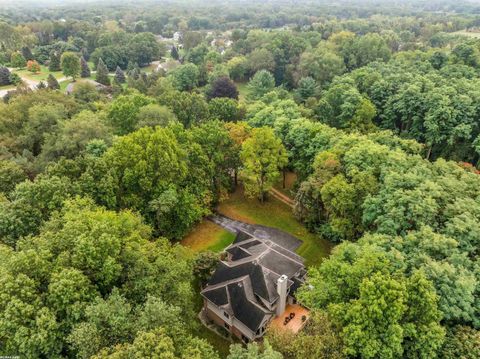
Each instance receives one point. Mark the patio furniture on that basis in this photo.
(292, 315)
(304, 318)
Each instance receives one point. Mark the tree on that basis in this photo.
(4, 76)
(320, 339)
(461, 342)
(153, 115)
(365, 49)
(33, 66)
(54, 63)
(190, 108)
(149, 167)
(10, 175)
(237, 67)
(119, 76)
(52, 82)
(185, 77)
(143, 48)
(73, 135)
(307, 88)
(225, 109)
(381, 312)
(466, 54)
(261, 83)
(70, 64)
(27, 53)
(102, 73)
(204, 266)
(17, 60)
(174, 53)
(85, 70)
(260, 59)
(263, 155)
(322, 64)
(123, 111)
(223, 87)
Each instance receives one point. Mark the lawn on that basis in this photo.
(208, 236)
(242, 90)
(274, 213)
(40, 76)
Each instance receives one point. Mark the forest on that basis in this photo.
(123, 126)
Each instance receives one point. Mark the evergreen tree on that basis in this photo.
(54, 64)
(119, 76)
(52, 82)
(102, 73)
(4, 76)
(27, 53)
(174, 53)
(85, 70)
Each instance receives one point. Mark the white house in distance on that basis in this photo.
(253, 286)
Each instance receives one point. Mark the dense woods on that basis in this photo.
(152, 114)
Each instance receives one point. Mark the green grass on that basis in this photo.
(242, 90)
(274, 213)
(64, 84)
(220, 344)
(40, 76)
(208, 236)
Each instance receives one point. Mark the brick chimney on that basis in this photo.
(282, 292)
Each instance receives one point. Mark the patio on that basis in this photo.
(294, 324)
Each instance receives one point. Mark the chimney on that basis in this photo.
(282, 292)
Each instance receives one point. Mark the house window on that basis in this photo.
(245, 339)
(226, 326)
(225, 314)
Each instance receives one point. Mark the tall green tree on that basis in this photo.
(85, 69)
(102, 73)
(70, 65)
(263, 156)
(55, 61)
(260, 84)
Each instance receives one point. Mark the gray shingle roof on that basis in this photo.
(251, 272)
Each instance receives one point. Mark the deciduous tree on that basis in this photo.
(70, 65)
(263, 156)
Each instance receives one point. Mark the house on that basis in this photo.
(253, 285)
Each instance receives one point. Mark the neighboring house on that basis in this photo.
(253, 285)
